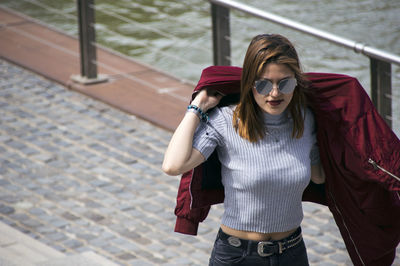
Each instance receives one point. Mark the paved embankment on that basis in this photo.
(79, 176)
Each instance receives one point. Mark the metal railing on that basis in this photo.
(380, 61)
(87, 10)
(87, 44)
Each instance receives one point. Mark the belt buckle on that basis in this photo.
(260, 248)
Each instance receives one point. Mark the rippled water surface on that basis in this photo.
(175, 36)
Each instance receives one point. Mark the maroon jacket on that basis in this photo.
(360, 155)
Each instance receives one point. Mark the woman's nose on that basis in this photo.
(275, 90)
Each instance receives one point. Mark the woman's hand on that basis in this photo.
(207, 99)
(317, 174)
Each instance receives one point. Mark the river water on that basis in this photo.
(175, 36)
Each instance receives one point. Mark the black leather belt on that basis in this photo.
(263, 248)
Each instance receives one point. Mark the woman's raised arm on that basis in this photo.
(180, 155)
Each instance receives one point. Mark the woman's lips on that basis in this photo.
(275, 103)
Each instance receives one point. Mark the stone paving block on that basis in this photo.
(59, 223)
(325, 263)
(44, 229)
(125, 244)
(186, 239)
(137, 262)
(85, 236)
(31, 223)
(4, 209)
(341, 258)
(113, 249)
(125, 195)
(181, 261)
(69, 216)
(314, 258)
(56, 236)
(170, 242)
(141, 240)
(16, 145)
(98, 243)
(29, 151)
(20, 217)
(310, 242)
(45, 158)
(324, 215)
(167, 216)
(311, 231)
(58, 163)
(126, 256)
(7, 221)
(72, 243)
(46, 217)
(327, 238)
(323, 250)
(204, 230)
(338, 245)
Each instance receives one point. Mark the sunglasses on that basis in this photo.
(285, 86)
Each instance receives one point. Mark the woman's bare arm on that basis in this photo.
(180, 156)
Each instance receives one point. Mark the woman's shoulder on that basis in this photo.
(309, 120)
(220, 118)
(225, 112)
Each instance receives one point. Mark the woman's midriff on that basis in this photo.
(256, 236)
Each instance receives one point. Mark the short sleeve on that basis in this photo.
(314, 153)
(209, 135)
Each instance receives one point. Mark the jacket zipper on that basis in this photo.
(347, 229)
(190, 190)
(377, 166)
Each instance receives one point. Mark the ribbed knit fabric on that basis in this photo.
(263, 181)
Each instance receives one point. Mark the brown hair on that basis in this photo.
(265, 49)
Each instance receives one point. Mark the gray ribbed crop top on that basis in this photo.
(263, 181)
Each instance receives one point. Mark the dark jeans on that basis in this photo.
(246, 254)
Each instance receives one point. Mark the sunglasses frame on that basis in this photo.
(267, 88)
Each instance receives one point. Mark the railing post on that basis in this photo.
(221, 35)
(87, 40)
(381, 88)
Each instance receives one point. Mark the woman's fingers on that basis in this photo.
(207, 99)
(215, 97)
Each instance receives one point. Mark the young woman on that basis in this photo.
(267, 148)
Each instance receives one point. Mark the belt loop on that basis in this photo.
(249, 247)
(280, 247)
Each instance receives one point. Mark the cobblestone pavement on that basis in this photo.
(79, 175)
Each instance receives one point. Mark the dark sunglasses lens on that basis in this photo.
(263, 86)
(287, 85)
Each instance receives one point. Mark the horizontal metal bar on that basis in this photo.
(356, 46)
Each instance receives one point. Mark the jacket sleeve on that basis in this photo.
(188, 218)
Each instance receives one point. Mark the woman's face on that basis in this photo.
(275, 102)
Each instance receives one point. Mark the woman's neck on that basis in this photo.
(279, 119)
